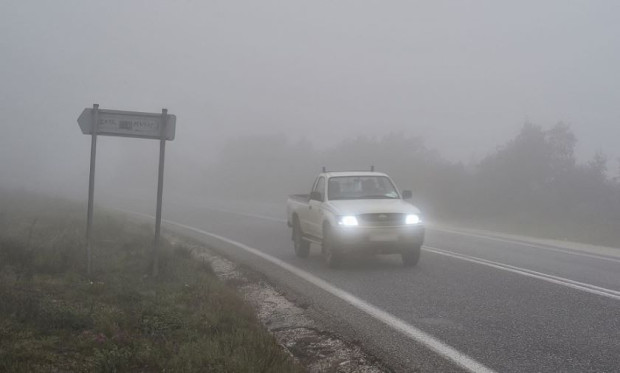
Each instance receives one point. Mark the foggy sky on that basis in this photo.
(465, 75)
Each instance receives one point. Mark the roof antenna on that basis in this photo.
(372, 168)
(324, 170)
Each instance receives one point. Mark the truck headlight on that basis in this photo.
(348, 221)
(413, 219)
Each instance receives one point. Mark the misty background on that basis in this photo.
(494, 113)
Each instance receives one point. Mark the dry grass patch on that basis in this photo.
(54, 319)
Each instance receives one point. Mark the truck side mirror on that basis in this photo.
(407, 194)
(316, 196)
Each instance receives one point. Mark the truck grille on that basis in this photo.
(382, 219)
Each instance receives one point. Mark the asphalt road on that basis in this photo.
(506, 305)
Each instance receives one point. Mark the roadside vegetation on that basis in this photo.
(52, 318)
(533, 184)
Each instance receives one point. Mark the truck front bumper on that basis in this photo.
(378, 240)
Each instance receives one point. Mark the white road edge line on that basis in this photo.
(613, 294)
(576, 252)
(399, 325)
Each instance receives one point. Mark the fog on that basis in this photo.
(304, 79)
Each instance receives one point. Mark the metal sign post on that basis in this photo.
(91, 188)
(161, 127)
(160, 188)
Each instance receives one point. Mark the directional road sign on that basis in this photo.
(128, 124)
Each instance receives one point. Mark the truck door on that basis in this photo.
(315, 212)
(303, 212)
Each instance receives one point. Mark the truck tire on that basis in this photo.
(411, 256)
(331, 254)
(302, 248)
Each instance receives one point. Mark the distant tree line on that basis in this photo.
(533, 184)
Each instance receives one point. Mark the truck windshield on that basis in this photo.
(361, 187)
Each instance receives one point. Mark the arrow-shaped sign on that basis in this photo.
(128, 124)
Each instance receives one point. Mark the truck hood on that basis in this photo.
(371, 206)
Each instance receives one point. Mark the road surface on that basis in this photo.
(475, 302)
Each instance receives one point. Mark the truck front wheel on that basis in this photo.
(302, 248)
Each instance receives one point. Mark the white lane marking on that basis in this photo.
(593, 289)
(410, 331)
(576, 252)
(613, 294)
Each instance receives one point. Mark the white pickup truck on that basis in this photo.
(355, 212)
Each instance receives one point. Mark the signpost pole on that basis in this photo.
(91, 189)
(160, 189)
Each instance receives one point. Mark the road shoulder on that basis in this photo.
(305, 338)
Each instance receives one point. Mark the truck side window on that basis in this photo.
(320, 187)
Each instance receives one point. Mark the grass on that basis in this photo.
(52, 318)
